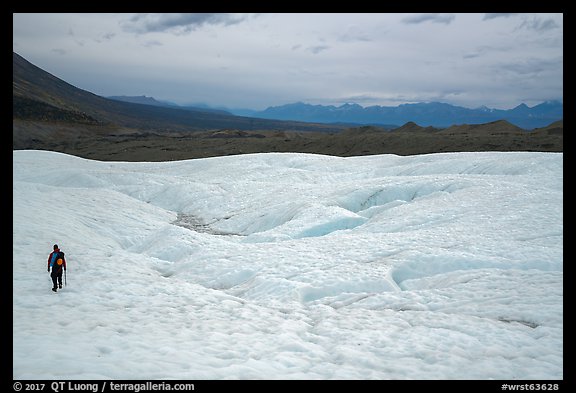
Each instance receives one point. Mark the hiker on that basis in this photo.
(57, 262)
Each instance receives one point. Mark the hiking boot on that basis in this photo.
(60, 286)
(54, 289)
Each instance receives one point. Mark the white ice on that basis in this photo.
(290, 266)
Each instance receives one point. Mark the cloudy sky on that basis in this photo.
(258, 60)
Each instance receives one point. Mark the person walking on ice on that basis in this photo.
(57, 262)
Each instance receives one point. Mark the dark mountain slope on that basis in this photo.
(36, 91)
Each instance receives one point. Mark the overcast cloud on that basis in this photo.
(260, 60)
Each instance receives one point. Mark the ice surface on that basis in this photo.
(290, 266)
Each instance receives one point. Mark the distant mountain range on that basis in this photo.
(39, 96)
(51, 114)
(433, 114)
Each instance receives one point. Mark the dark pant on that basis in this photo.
(56, 278)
